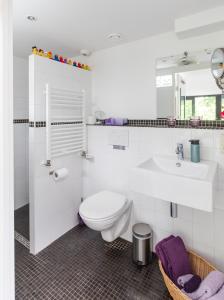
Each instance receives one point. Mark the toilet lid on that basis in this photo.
(102, 205)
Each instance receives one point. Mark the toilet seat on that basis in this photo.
(103, 205)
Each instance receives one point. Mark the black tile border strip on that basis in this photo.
(16, 121)
(219, 124)
(39, 124)
(66, 123)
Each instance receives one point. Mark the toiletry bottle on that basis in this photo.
(195, 151)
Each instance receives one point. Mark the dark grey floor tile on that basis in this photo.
(22, 221)
(80, 265)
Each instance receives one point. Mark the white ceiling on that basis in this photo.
(67, 26)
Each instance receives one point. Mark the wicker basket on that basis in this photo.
(199, 266)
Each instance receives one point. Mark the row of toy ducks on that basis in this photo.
(59, 58)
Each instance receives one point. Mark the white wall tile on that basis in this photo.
(218, 259)
(21, 110)
(206, 137)
(183, 229)
(204, 250)
(202, 217)
(203, 234)
(218, 229)
(185, 213)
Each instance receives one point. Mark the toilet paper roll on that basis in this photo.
(60, 174)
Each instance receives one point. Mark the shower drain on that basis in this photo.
(22, 240)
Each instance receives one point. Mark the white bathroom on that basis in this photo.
(118, 149)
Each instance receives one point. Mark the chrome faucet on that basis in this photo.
(180, 151)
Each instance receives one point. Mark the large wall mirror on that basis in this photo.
(186, 87)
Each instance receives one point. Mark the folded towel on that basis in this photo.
(160, 253)
(182, 280)
(219, 295)
(193, 284)
(208, 287)
(177, 257)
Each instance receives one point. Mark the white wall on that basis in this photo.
(53, 205)
(21, 131)
(124, 76)
(200, 82)
(165, 102)
(110, 169)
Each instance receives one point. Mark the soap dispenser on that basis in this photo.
(195, 151)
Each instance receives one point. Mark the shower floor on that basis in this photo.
(22, 221)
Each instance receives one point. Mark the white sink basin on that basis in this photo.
(181, 182)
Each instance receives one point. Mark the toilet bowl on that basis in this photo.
(107, 212)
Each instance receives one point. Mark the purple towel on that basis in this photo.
(161, 255)
(219, 295)
(208, 287)
(193, 284)
(182, 280)
(177, 257)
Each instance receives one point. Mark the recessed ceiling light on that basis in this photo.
(31, 18)
(114, 36)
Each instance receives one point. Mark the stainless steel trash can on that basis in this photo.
(142, 244)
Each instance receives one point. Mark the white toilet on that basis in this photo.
(107, 212)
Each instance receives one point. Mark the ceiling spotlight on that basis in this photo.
(31, 18)
(114, 36)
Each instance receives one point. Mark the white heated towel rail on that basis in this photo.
(65, 122)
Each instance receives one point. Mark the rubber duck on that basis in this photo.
(74, 63)
(65, 60)
(34, 50)
(79, 65)
(61, 59)
(41, 52)
(70, 62)
(49, 55)
(56, 57)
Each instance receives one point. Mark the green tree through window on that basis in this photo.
(208, 107)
